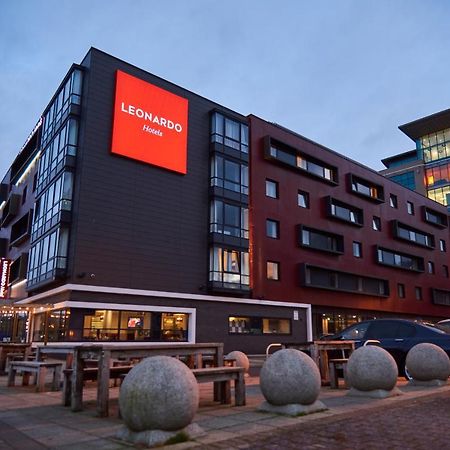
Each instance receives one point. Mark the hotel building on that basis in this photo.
(138, 210)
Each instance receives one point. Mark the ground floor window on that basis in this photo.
(13, 325)
(258, 325)
(110, 325)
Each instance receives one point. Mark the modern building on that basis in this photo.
(427, 168)
(148, 212)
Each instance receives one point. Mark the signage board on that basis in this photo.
(150, 124)
(5, 265)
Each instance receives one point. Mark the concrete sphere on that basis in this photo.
(159, 393)
(370, 368)
(426, 362)
(290, 376)
(241, 359)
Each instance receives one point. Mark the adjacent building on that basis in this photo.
(427, 168)
(138, 210)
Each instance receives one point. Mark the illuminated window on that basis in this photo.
(258, 325)
(229, 267)
(273, 270)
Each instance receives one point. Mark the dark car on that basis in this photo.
(397, 336)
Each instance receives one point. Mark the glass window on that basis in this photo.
(230, 132)
(356, 332)
(273, 270)
(442, 245)
(393, 201)
(303, 199)
(357, 249)
(430, 267)
(321, 240)
(271, 189)
(230, 267)
(410, 208)
(418, 291)
(445, 270)
(229, 175)
(376, 223)
(258, 325)
(401, 290)
(272, 228)
(228, 219)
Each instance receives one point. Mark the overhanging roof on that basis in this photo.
(425, 125)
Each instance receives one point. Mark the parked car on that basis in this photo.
(397, 336)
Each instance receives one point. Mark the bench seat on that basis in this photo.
(39, 369)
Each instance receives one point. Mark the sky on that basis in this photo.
(344, 73)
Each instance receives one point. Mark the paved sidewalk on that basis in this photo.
(418, 419)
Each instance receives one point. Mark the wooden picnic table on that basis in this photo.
(11, 347)
(78, 354)
(318, 351)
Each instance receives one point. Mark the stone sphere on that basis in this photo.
(241, 359)
(290, 376)
(159, 393)
(426, 362)
(370, 368)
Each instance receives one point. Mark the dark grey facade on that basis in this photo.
(123, 250)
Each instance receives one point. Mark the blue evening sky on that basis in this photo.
(344, 73)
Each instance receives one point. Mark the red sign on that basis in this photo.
(4, 277)
(150, 124)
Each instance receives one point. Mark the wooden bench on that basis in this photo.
(39, 369)
(221, 377)
(334, 365)
(89, 374)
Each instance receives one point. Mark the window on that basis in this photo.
(258, 325)
(406, 179)
(435, 146)
(48, 256)
(442, 245)
(24, 195)
(356, 332)
(273, 270)
(272, 228)
(445, 270)
(366, 188)
(357, 249)
(55, 155)
(344, 212)
(418, 291)
(271, 189)
(49, 207)
(320, 240)
(440, 297)
(229, 267)
(229, 132)
(410, 208)
(324, 278)
(430, 267)
(401, 290)
(412, 235)
(393, 203)
(69, 94)
(400, 260)
(303, 199)
(376, 223)
(300, 161)
(435, 218)
(228, 219)
(229, 174)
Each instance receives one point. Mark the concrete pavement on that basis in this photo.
(418, 419)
